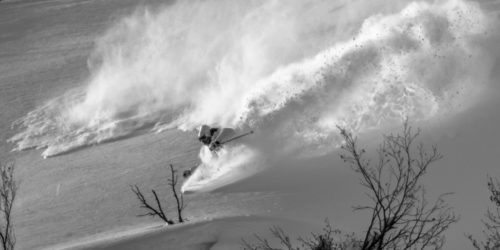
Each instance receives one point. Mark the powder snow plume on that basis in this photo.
(291, 70)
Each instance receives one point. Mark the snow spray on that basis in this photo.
(290, 70)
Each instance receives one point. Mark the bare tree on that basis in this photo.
(8, 189)
(492, 222)
(157, 210)
(179, 199)
(401, 217)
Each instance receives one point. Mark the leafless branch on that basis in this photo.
(157, 209)
(401, 217)
(491, 232)
(179, 199)
(8, 189)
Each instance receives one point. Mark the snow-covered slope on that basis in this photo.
(77, 74)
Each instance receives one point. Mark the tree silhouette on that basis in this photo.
(156, 208)
(492, 222)
(8, 189)
(401, 217)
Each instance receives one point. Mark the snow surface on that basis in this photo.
(67, 77)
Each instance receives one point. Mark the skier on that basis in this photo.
(206, 134)
(213, 138)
